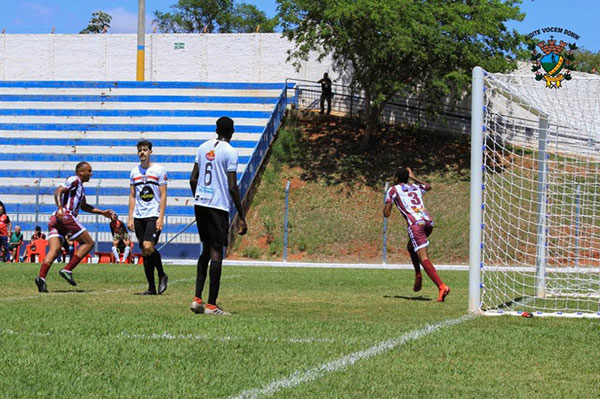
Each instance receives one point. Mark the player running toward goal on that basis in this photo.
(147, 204)
(213, 182)
(408, 198)
(69, 198)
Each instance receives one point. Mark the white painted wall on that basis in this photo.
(257, 57)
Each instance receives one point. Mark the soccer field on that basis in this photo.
(295, 333)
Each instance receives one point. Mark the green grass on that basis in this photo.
(98, 340)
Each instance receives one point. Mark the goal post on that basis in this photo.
(535, 196)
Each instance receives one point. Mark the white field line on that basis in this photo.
(165, 336)
(317, 265)
(135, 288)
(343, 362)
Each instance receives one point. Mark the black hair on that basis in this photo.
(144, 143)
(225, 126)
(3, 208)
(402, 175)
(38, 228)
(80, 165)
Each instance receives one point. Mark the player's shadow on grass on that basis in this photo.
(71, 291)
(408, 298)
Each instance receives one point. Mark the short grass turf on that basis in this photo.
(99, 340)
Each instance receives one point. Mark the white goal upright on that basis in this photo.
(535, 196)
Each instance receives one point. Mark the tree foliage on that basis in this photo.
(190, 16)
(586, 61)
(423, 48)
(246, 18)
(99, 23)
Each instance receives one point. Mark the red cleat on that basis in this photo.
(418, 283)
(444, 291)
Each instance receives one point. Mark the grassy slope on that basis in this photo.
(337, 192)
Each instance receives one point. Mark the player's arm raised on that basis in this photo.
(234, 191)
(426, 186)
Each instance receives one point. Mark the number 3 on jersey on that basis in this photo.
(415, 200)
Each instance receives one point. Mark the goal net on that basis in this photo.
(535, 196)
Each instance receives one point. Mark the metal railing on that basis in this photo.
(306, 95)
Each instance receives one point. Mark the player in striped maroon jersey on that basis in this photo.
(408, 198)
(69, 198)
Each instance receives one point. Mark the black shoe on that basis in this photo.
(162, 287)
(41, 284)
(67, 275)
(148, 292)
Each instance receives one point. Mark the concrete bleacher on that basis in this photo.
(47, 127)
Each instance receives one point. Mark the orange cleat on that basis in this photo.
(197, 306)
(418, 283)
(444, 291)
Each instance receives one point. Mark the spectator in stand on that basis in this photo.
(37, 234)
(16, 239)
(121, 240)
(326, 93)
(5, 231)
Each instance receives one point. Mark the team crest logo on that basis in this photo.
(553, 64)
(147, 194)
(210, 155)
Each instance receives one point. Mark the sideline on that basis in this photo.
(322, 265)
(320, 371)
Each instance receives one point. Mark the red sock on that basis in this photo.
(73, 262)
(431, 272)
(44, 270)
(415, 261)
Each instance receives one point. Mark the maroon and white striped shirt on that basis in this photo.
(72, 198)
(408, 198)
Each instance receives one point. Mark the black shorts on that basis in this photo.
(213, 225)
(145, 230)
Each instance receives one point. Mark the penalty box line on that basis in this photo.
(343, 362)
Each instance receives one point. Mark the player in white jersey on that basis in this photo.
(147, 204)
(214, 182)
(69, 198)
(408, 198)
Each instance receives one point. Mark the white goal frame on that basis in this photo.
(541, 268)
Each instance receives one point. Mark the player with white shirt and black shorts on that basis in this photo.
(214, 185)
(147, 204)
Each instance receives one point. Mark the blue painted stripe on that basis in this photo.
(102, 226)
(98, 174)
(112, 127)
(140, 47)
(13, 209)
(91, 190)
(189, 159)
(138, 98)
(135, 113)
(91, 141)
(143, 85)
